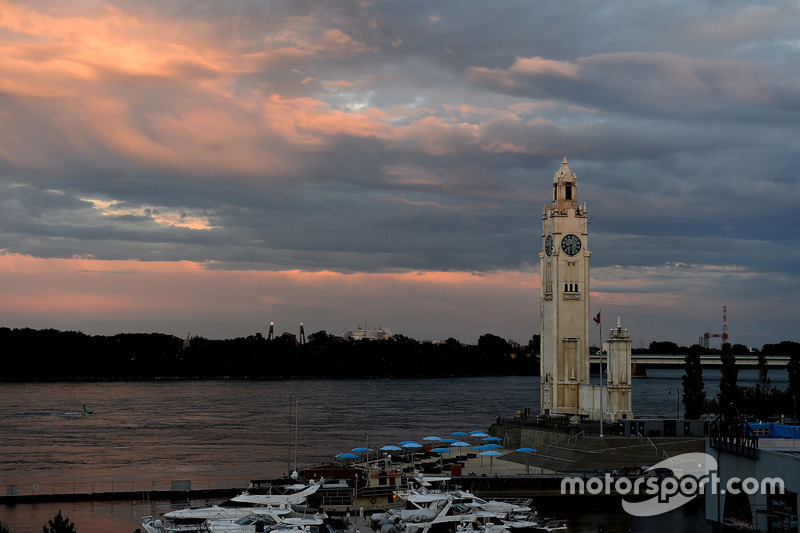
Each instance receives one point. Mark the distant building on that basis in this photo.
(374, 334)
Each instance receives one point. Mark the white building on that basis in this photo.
(374, 334)
(564, 263)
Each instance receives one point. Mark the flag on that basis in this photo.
(597, 318)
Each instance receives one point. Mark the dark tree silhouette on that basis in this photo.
(59, 524)
(729, 374)
(694, 394)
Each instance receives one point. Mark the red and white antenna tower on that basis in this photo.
(725, 325)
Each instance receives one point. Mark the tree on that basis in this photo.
(728, 391)
(492, 345)
(794, 381)
(534, 345)
(761, 392)
(59, 524)
(663, 347)
(694, 394)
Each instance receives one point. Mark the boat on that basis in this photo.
(261, 520)
(429, 505)
(156, 525)
(278, 499)
(276, 495)
(369, 486)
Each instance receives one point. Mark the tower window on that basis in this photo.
(571, 288)
(568, 191)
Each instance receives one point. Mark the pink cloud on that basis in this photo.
(124, 296)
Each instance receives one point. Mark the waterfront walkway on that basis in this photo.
(558, 454)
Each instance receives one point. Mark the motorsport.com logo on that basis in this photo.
(692, 473)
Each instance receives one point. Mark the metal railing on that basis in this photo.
(70, 488)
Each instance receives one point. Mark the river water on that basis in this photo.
(154, 432)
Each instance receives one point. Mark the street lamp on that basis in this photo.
(677, 402)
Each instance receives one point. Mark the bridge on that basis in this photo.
(645, 361)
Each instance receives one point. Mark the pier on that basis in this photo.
(87, 491)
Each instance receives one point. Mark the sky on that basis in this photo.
(211, 167)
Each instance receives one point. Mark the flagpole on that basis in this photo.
(600, 335)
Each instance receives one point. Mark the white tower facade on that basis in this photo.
(564, 262)
(565, 381)
(618, 389)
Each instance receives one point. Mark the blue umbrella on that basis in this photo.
(527, 452)
(403, 442)
(495, 439)
(461, 444)
(391, 448)
(493, 446)
(347, 456)
(483, 447)
(457, 433)
(492, 454)
(478, 434)
(449, 441)
(432, 438)
(410, 444)
(361, 449)
(442, 450)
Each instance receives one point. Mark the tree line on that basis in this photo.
(761, 401)
(48, 354)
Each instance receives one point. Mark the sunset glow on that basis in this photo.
(214, 167)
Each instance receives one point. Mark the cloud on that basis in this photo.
(76, 292)
(366, 139)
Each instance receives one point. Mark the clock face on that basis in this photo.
(571, 244)
(548, 245)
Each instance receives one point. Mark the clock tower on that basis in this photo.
(564, 262)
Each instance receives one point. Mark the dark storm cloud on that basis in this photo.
(367, 137)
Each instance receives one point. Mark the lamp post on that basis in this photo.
(677, 402)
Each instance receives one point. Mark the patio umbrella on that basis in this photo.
(411, 444)
(493, 439)
(391, 448)
(483, 447)
(478, 434)
(347, 456)
(459, 433)
(527, 452)
(361, 449)
(493, 446)
(459, 444)
(491, 454)
(449, 441)
(432, 438)
(441, 451)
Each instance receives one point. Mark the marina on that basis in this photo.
(150, 434)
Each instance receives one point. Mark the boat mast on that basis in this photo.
(289, 462)
(296, 418)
